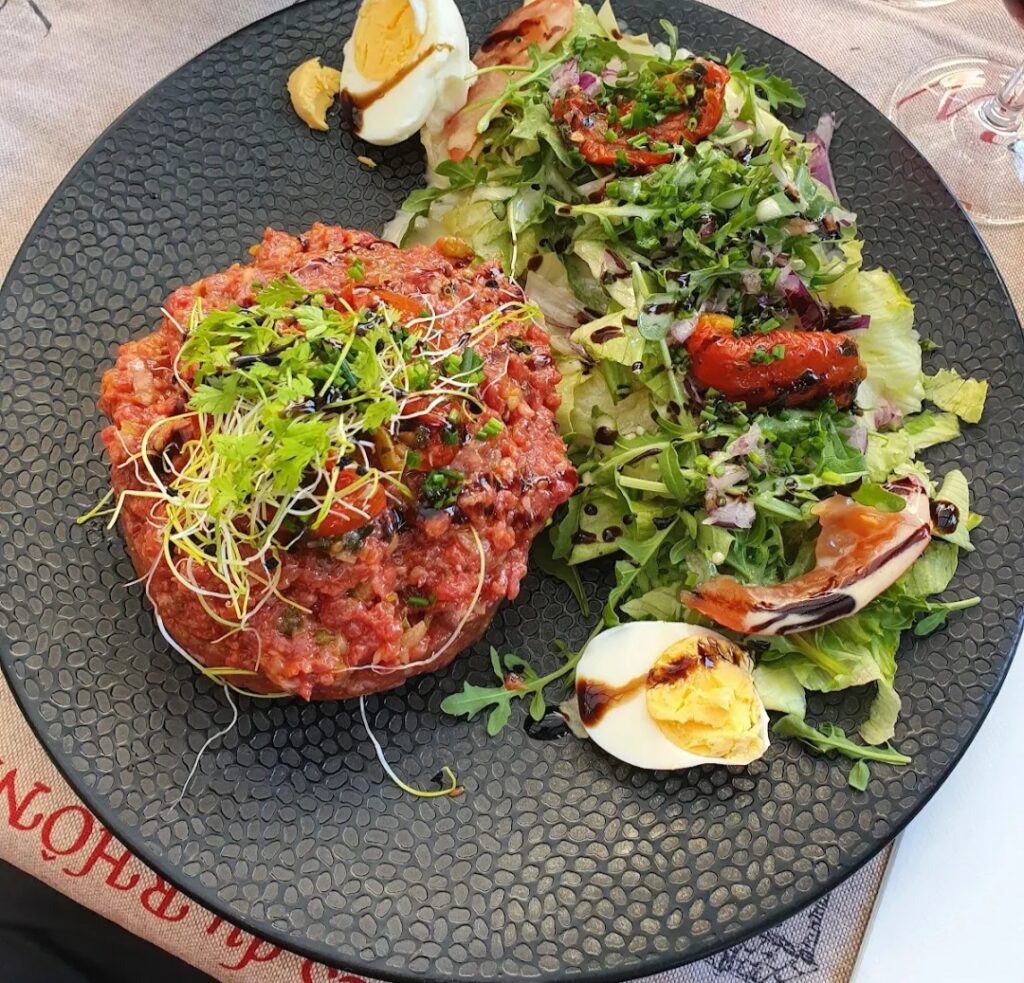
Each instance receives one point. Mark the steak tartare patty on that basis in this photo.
(356, 609)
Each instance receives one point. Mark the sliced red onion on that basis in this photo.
(737, 513)
(610, 72)
(694, 396)
(594, 190)
(614, 265)
(747, 442)
(731, 476)
(857, 437)
(885, 415)
(589, 84)
(800, 227)
(750, 281)
(819, 165)
(758, 251)
(564, 76)
(800, 301)
(842, 320)
(560, 306)
(680, 330)
(707, 229)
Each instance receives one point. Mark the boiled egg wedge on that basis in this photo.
(664, 695)
(406, 66)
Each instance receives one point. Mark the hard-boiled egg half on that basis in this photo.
(406, 65)
(662, 695)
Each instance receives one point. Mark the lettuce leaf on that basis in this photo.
(611, 338)
(888, 451)
(880, 725)
(955, 491)
(933, 572)
(779, 689)
(949, 390)
(890, 347)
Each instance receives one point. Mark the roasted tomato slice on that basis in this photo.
(795, 368)
(604, 144)
(709, 79)
(860, 552)
(351, 511)
(586, 124)
(357, 297)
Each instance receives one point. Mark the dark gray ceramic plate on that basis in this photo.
(557, 860)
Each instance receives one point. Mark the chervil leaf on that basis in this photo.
(287, 290)
(214, 399)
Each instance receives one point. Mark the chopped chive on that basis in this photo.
(491, 428)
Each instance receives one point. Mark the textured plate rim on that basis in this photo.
(288, 942)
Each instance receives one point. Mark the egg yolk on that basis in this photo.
(703, 700)
(385, 38)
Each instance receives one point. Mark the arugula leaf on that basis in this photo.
(931, 623)
(641, 553)
(828, 739)
(777, 91)
(420, 200)
(542, 554)
(517, 679)
(462, 174)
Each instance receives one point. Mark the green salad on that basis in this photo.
(682, 482)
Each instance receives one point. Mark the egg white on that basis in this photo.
(431, 92)
(626, 730)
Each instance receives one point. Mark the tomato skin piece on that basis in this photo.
(588, 127)
(815, 364)
(341, 518)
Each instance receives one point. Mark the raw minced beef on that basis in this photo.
(361, 634)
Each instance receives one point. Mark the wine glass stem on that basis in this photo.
(1004, 112)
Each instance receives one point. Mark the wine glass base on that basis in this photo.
(940, 110)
